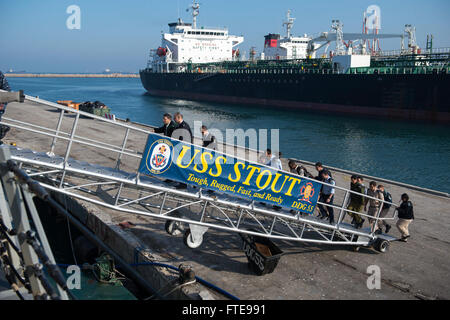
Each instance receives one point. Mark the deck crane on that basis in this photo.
(337, 35)
(410, 32)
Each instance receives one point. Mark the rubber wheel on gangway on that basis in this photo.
(187, 239)
(355, 248)
(381, 245)
(174, 228)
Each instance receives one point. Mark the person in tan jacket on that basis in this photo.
(374, 205)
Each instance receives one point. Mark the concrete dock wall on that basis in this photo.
(129, 247)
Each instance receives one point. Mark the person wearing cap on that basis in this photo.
(405, 217)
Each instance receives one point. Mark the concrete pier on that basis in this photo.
(418, 269)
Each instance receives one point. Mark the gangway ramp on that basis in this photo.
(69, 169)
(159, 199)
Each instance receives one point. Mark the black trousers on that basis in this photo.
(324, 209)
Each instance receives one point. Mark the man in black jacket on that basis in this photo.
(168, 126)
(209, 141)
(320, 169)
(405, 217)
(299, 169)
(356, 202)
(183, 130)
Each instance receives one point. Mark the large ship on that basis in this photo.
(198, 63)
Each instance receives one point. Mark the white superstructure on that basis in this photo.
(185, 43)
(289, 47)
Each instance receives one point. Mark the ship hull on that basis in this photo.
(421, 97)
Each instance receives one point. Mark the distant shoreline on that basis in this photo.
(71, 75)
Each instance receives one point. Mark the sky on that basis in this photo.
(119, 34)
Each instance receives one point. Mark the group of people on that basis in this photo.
(180, 129)
(380, 201)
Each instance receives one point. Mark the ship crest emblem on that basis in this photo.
(307, 192)
(160, 156)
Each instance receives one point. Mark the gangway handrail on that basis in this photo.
(349, 172)
(200, 196)
(89, 115)
(140, 156)
(82, 113)
(61, 132)
(72, 139)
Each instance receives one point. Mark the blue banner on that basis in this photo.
(207, 169)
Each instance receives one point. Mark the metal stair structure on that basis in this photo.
(24, 248)
(129, 192)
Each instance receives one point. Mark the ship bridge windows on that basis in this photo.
(205, 33)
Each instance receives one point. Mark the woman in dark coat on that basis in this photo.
(405, 217)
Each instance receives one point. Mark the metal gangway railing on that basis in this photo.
(25, 254)
(111, 179)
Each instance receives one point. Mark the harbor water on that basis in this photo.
(409, 152)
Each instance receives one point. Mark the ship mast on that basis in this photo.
(288, 23)
(337, 27)
(195, 11)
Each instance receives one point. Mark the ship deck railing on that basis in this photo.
(444, 50)
(388, 62)
(405, 70)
